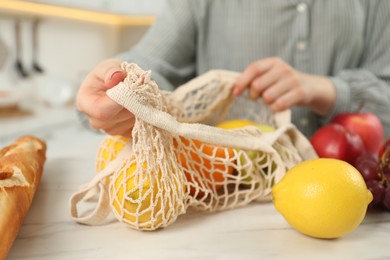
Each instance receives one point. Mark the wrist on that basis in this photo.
(323, 94)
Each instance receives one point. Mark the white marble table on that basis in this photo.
(256, 231)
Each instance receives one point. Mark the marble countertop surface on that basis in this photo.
(256, 231)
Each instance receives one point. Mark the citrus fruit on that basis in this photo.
(323, 198)
(108, 150)
(251, 155)
(235, 123)
(205, 165)
(137, 199)
(239, 123)
(265, 128)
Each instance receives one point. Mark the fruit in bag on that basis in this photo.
(141, 200)
(251, 156)
(206, 166)
(235, 123)
(108, 150)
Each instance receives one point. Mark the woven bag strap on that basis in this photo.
(102, 209)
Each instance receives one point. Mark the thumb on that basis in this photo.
(113, 76)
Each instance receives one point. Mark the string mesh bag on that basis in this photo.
(179, 158)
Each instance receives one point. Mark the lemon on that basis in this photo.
(141, 201)
(239, 123)
(132, 200)
(323, 198)
(235, 123)
(108, 150)
(265, 128)
(251, 155)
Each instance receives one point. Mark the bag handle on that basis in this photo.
(102, 209)
(129, 99)
(282, 118)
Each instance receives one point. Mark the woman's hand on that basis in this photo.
(281, 86)
(102, 112)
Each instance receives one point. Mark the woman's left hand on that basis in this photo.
(281, 86)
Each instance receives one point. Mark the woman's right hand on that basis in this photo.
(102, 112)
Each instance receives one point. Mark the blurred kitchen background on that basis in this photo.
(48, 46)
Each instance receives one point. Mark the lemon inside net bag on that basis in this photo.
(178, 159)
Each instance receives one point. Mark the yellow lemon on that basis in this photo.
(239, 123)
(251, 155)
(142, 200)
(265, 128)
(323, 198)
(108, 150)
(137, 199)
(132, 199)
(235, 123)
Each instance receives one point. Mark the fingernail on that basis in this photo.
(115, 73)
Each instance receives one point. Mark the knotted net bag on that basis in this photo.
(178, 159)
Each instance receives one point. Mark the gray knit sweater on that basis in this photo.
(347, 40)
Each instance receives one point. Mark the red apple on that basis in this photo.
(366, 125)
(356, 147)
(334, 141)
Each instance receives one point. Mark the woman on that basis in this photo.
(318, 58)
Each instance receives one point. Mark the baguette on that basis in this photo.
(21, 166)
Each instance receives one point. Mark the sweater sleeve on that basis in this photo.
(368, 87)
(168, 47)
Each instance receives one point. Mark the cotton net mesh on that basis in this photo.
(178, 159)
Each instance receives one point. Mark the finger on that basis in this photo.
(285, 101)
(101, 108)
(123, 116)
(110, 72)
(292, 96)
(115, 77)
(267, 80)
(118, 119)
(124, 128)
(250, 73)
(254, 93)
(277, 90)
